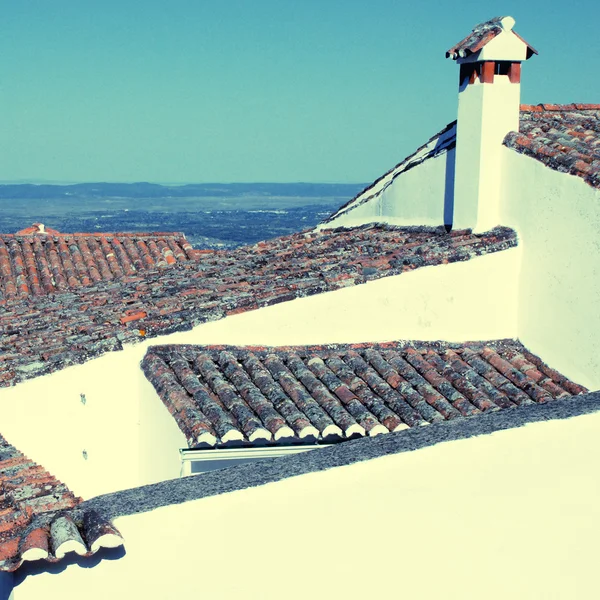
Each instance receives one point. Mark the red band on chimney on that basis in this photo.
(487, 71)
(514, 72)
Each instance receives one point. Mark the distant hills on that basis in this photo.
(200, 190)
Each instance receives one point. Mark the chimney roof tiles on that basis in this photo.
(481, 35)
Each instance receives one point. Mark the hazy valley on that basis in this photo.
(211, 215)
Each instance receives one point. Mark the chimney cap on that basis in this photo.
(484, 33)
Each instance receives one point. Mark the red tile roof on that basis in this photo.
(223, 395)
(564, 137)
(46, 333)
(36, 520)
(481, 35)
(38, 261)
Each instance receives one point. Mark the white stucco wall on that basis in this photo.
(512, 515)
(558, 219)
(131, 439)
(408, 196)
(486, 113)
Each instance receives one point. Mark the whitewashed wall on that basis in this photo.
(409, 195)
(131, 439)
(486, 113)
(512, 515)
(557, 217)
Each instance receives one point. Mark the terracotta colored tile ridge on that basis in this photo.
(558, 107)
(480, 36)
(38, 228)
(35, 230)
(164, 349)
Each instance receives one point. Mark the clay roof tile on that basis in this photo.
(335, 392)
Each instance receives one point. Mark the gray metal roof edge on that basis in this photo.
(177, 491)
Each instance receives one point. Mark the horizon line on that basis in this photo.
(134, 182)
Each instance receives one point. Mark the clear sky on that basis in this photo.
(255, 90)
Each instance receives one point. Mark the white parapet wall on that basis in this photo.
(505, 490)
(558, 219)
(419, 191)
(100, 427)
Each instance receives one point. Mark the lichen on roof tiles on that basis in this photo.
(37, 261)
(36, 515)
(335, 392)
(41, 334)
(481, 35)
(565, 138)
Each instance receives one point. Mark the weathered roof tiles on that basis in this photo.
(564, 137)
(481, 35)
(38, 261)
(37, 519)
(228, 395)
(69, 328)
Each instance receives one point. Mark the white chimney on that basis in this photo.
(489, 98)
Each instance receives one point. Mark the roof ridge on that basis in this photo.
(29, 231)
(558, 107)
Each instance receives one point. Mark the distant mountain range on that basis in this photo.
(155, 190)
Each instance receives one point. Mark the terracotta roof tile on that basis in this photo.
(335, 392)
(41, 334)
(37, 516)
(37, 261)
(565, 138)
(479, 37)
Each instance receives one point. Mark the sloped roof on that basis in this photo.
(35, 515)
(38, 261)
(565, 137)
(43, 334)
(221, 395)
(440, 143)
(481, 35)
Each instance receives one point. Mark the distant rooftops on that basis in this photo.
(38, 260)
(41, 334)
(37, 228)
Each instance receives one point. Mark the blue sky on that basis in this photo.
(262, 90)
